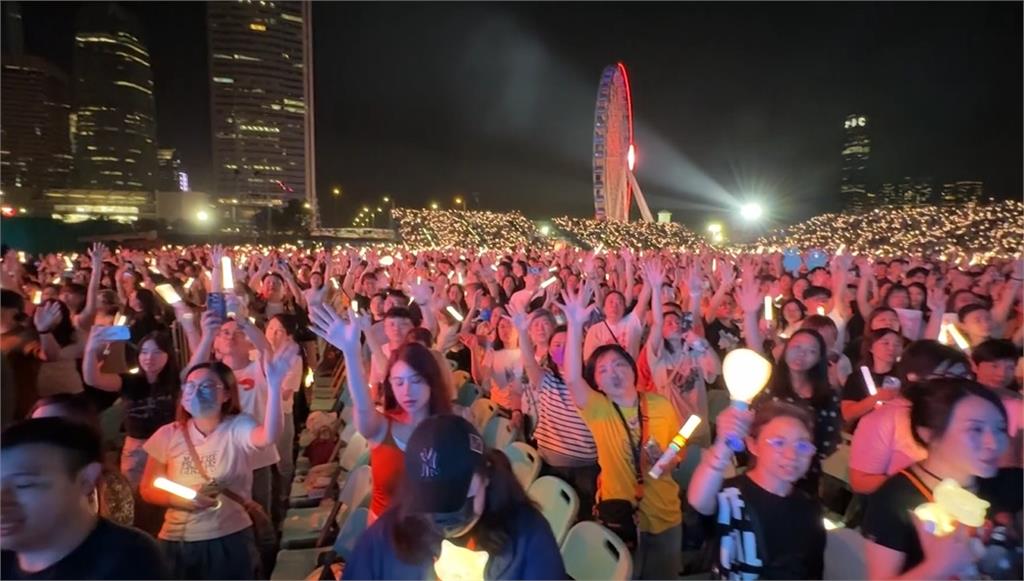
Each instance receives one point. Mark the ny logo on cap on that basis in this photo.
(429, 467)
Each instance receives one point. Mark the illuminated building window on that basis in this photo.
(258, 26)
(133, 86)
(225, 80)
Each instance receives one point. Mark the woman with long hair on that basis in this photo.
(879, 352)
(62, 375)
(563, 439)
(413, 390)
(605, 394)
(457, 497)
(780, 524)
(800, 377)
(150, 396)
(208, 448)
(682, 364)
(962, 425)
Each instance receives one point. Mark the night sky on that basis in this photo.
(426, 101)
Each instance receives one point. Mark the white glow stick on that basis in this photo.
(154, 270)
(455, 313)
(227, 273)
(309, 377)
(461, 280)
(958, 338)
(355, 305)
(869, 380)
(175, 488)
(334, 283)
(189, 282)
(67, 261)
(553, 269)
(678, 443)
(120, 320)
(768, 311)
(37, 297)
(168, 294)
(821, 311)
(548, 282)
(134, 370)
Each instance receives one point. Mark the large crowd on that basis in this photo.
(499, 410)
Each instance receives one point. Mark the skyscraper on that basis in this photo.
(170, 176)
(115, 121)
(258, 98)
(906, 192)
(34, 147)
(854, 186)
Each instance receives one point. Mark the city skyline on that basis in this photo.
(514, 115)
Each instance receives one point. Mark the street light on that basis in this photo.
(459, 202)
(202, 216)
(387, 199)
(433, 205)
(336, 190)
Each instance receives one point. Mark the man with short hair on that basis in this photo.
(48, 530)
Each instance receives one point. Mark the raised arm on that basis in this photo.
(88, 314)
(201, 354)
(654, 277)
(276, 368)
(937, 305)
(840, 271)
(91, 373)
(45, 319)
(751, 302)
(1001, 310)
(702, 493)
(344, 335)
(577, 311)
(527, 350)
(726, 276)
(867, 276)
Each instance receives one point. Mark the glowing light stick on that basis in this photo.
(174, 488)
(548, 282)
(821, 310)
(675, 446)
(37, 297)
(746, 374)
(154, 270)
(227, 274)
(309, 377)
(553, 269)
(454, 313)
(120, 320)
(134, 371)
(953, 504)
(461, 280)
(958, 338)
(386, 261)
(189, 283)
(21, 256)
(56, 280)
(768, 311)
(334, 283)
(355, 305)
(869, 381)
(168, 294)
(68, 263)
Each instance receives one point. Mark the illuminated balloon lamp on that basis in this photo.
(953, 504)
(746, 373)
(459, 563)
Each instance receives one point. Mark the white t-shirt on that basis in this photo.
(627, 333)
(506, 387)
(252, 396)
(226, 455)
(883, 443)
(695, 400)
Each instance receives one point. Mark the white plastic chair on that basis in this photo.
(591, 551)
(558, 502)
(301, 526)
(483, 410)
(525, 462)
(498, 433)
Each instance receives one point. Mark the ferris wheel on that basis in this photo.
(614, 149)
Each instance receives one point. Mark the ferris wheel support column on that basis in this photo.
(641, 201)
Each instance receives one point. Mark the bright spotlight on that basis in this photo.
(545, 230)
(714, 227)
(202, 215)
(751, 211)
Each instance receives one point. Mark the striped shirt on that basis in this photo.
(560, 429)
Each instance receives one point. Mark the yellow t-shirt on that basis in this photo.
(659, 508)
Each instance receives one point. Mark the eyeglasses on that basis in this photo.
(191, 386)
(801, 447)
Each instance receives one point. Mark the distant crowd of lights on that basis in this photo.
(613, 234)
(991, 230)
(463, 229)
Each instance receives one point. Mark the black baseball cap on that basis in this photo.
(440, 459)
